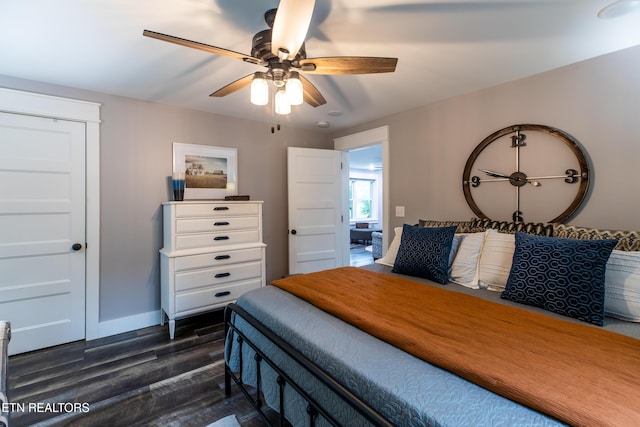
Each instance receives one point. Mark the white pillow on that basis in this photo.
(390, 257)
(496, 259)
(622, 286)
(464, 269)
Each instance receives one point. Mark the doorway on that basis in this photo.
(365, 203)
(368, 158)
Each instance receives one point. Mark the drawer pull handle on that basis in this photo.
(222, 294)
(221, 238)
(220, 223)
(221, 208)
(220, 275)
(221, 257)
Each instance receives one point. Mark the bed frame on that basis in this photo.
(314, 409)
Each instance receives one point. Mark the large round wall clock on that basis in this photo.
(526, 172)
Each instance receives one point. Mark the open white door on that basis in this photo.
(315, 210)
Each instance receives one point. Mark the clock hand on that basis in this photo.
(552, 176)
(571, 176)
(495, 174)
(528, 180)
(493, 180)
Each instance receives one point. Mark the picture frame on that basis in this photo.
(210, 172)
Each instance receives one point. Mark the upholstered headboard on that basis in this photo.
(463, 226)
(627, 240)
(478, 224)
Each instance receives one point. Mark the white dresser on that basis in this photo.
(213, 252)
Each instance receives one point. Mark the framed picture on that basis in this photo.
(209, 172)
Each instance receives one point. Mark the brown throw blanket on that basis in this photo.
(577, 373)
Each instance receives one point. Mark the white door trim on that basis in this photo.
(34, 104)
(364, 139)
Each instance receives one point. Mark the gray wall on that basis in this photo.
(597, 101)
(136, 160)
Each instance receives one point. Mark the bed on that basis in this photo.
(318, 368)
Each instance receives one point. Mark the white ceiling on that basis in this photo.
(445, 48)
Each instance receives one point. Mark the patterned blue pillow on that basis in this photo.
(565, 276)
(424, 252)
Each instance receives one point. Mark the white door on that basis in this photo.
(42, 216)
(315, 210)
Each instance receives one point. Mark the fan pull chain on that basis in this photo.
(275, 124)
(273, 113)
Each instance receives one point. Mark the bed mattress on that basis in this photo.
(405, 390)
(631, 329)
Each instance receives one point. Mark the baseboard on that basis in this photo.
(129, 323)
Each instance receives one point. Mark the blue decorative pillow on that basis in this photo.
(424, 252)
(565, 276)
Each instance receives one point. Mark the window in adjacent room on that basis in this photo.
(360, 199)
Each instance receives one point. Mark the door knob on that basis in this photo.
(294, 232)
(76, 246)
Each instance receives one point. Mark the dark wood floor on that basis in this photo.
(139, 378)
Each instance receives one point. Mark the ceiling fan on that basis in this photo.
(280, 49)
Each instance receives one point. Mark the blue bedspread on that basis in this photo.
(405, 390)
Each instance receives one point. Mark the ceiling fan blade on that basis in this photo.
(290, 27)
(201, 46)
(348, 65)
(310, 94)
(235, 86)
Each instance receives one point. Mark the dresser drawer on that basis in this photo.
(188, 241)
(217, 258)
(192, 279)
(216, 209)
(215, 225)
(188, 301)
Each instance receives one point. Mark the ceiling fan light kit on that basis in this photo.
(294, 88)
(281, 50)
(289, 91)
(282, 104)
(259, 89)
